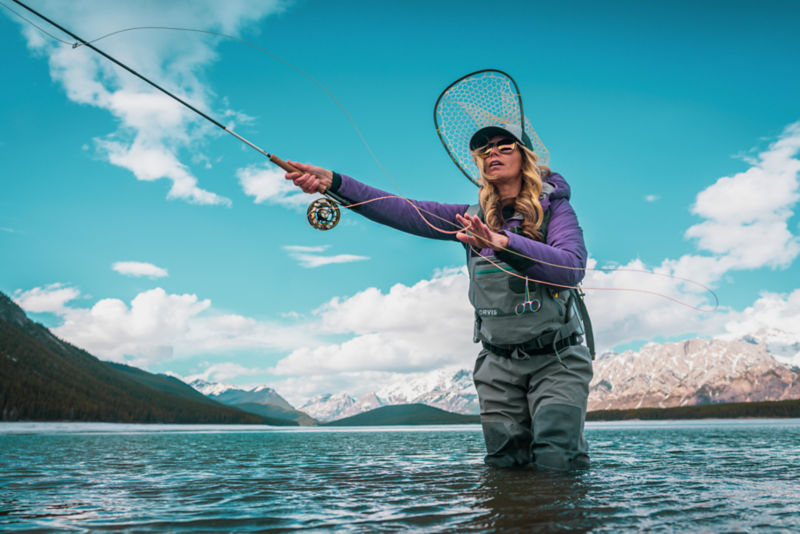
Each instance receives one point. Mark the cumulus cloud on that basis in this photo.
(633, 302)
(137, 268)
(651, 198)
(48, 299)
(772, 311)
(310, 257)
(157, 326)
(154, 131)
(150, 161)
(267, 185)
(421, 327)
(299, 389)
(747, 215)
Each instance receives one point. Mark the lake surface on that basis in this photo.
(697, 476)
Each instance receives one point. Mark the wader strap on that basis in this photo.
(507, 350)
(556, 340)
(587, 323)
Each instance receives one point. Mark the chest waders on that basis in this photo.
(516, 314)
(533, 375)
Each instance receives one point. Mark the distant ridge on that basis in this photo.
(406, 414)
(732, 410)
(43, 378)
(262, 400)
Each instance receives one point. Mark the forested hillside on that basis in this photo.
(43, 378)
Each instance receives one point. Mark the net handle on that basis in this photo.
(436, 120)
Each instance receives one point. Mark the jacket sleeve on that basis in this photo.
(565, 250)
(426, 219)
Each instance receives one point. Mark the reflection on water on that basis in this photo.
(526, 499)
(695, 476)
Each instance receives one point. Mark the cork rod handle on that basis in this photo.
(288, 168)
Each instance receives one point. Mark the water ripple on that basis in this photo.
(666, 477)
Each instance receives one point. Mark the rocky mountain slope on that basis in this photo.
(689, 373)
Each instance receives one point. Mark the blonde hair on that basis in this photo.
(527, 202)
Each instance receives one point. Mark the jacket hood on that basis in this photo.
(562, 189)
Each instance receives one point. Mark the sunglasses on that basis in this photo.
(504, 146)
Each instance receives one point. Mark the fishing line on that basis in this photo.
(578, 287)
(287, 167)
(29, 21)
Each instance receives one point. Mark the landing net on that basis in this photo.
(484, 98)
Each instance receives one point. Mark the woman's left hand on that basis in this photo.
(477, 234)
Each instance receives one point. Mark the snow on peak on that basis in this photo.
(210, 388)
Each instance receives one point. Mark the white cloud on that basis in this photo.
(51, 298)
(302, 249)
(222, 372)
(651, 198)
(772, 311)
(137, 268)
(152, 161)
(421, 327)
(310, 257)
(158, 326)
(632, 302)
(298, 390)
(153, 129)
(268, 186)
(747, 215)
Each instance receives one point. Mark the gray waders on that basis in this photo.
(533, 374)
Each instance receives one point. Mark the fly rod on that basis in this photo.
(323, 214)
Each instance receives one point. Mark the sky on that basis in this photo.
(140, 232)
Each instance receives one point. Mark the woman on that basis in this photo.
(533, 374)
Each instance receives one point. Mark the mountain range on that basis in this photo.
(758, 367)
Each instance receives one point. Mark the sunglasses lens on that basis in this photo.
(504, 146)
(505, 149)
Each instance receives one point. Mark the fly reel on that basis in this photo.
(323, 214)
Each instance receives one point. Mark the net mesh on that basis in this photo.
(480, 99)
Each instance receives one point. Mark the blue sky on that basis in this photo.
(676, 124)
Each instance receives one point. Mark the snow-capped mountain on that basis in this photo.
(697, 371)
(209, 388)
(781, 344)
(235, 395)
(450, 390)
(262, 400)
(332, 406)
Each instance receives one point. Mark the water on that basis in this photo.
(700, 476)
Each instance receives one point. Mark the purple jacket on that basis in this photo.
(564, 244)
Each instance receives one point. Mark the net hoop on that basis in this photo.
(486, 97)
